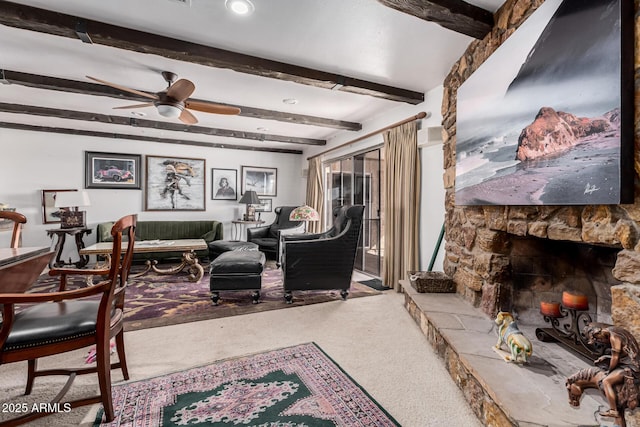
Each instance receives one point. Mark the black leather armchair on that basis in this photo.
(323, 261)
(268, 237)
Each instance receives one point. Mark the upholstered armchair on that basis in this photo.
(268, 237)
(323, 261)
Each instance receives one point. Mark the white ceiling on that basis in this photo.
(356, 38)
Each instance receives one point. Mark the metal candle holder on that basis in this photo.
(567, 319)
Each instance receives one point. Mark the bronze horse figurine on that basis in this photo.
(627, 393)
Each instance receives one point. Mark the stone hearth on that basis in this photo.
(502, 394)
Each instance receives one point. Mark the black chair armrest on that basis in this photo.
(257, 232)
(298, 237)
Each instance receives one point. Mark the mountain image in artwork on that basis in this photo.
(552, 88)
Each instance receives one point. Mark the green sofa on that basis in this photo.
(168, 230)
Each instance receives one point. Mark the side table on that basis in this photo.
(239, 227)
(61, 234)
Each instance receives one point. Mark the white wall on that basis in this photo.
(35, 161)
(431, 206)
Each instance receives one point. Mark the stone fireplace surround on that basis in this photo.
(479, 239)
(484, 252)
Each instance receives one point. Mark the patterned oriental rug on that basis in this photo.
(155, 300)
(295, 386)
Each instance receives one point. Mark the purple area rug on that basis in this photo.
(294, 386)
(159, 300)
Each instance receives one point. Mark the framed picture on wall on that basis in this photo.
(261, 180)
(547, 119)
(174, 184)
(111, 170)
(224, 183)
(50, 214)
(265, 205)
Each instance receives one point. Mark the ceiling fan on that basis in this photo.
(174, 100)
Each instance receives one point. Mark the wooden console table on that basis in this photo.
(61, 233)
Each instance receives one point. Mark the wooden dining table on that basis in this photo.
(20, 267)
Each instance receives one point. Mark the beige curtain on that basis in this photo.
(401, 208)
(315, 194)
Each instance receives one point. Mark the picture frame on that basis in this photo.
(264, 181)
(224, 184)
(266, 205)
(174, 184)
(51, 214)
(112, 170)
(547, 119)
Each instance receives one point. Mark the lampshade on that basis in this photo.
(71, 199)
(304, 213)
(250, 198)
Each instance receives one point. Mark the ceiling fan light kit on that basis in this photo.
(240, 7)
(171, 111)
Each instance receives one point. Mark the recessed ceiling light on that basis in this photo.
(290, 101)
(240, 7)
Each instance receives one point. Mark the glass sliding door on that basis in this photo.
(356, 180)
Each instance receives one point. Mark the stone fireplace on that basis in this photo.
(514, 257)
(511, 257)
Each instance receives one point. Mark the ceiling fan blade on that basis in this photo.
(124, 88)
(188, 118)
(181, 90)
(209, 107)
(146, 104)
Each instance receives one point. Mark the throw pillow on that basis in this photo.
(209, 236)
(105, 231)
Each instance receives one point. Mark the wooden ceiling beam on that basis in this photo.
(59, 24)
(456, 15)
(87, 88)
(152, 124)
(81, 132)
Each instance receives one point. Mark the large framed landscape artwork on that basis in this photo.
(547, 119)
(174, 184)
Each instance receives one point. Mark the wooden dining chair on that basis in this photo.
(66, 320)
(18, 219)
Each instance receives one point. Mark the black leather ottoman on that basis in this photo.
(236, 271)
(218, 247)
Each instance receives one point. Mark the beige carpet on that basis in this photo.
(373, 339)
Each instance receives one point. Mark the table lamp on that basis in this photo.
(304, 213)
(250, 198)
(68, 202)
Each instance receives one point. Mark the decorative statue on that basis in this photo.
(616, 375)
(520, 347)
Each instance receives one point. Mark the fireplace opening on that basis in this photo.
(542, 269)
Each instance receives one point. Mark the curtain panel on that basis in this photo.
(315, 194)
(402, 198)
